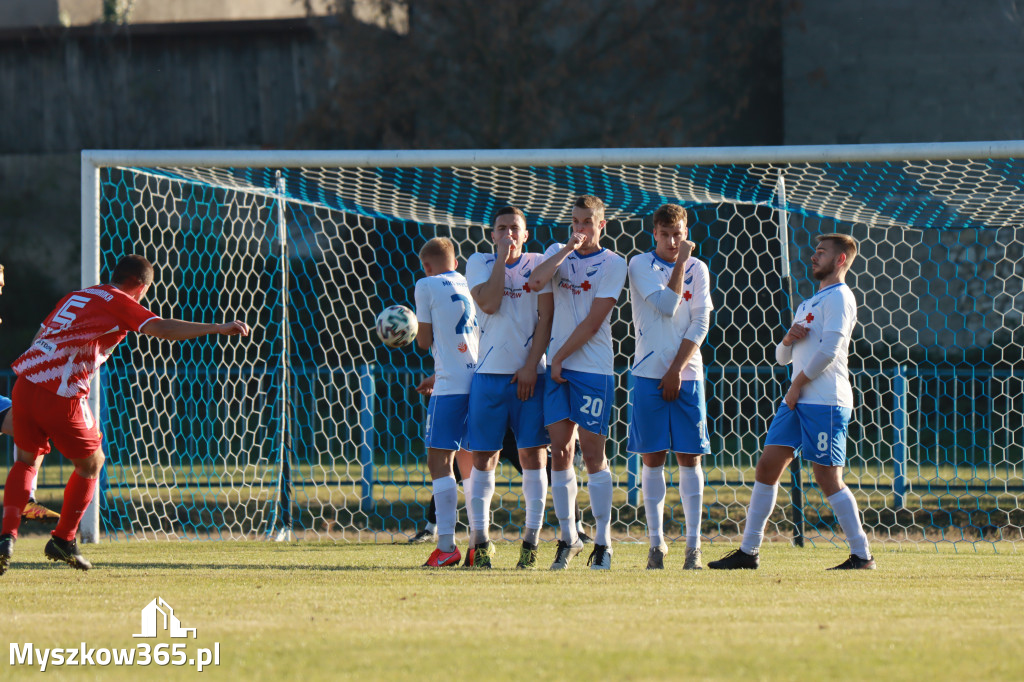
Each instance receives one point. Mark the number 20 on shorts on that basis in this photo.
(592, 406)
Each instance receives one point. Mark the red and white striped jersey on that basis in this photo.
(78, 336)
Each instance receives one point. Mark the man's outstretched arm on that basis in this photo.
(179, 330)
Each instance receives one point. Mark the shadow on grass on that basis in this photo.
(252, 567)
(213, 517)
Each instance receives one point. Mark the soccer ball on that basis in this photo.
(397, 326)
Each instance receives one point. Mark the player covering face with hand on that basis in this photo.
(508, 387)
(670, 294)
(586, 280)
(815, 413)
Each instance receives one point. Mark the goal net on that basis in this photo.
(311, 428)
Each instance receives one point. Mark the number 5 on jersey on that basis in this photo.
(64, 316)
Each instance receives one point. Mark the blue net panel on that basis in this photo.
(311, 425)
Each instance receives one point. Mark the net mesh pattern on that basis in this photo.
(313, 425)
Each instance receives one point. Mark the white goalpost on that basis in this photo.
(311, 429)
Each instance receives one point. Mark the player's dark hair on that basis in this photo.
(593, 203)
(843, 242)
(133, 269)
(508, 210)
(669, 215)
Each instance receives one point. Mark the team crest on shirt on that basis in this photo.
(592, 270)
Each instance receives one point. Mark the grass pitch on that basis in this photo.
(369, 612)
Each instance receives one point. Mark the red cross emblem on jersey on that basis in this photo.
(586, 285)
(687, 295)
(810, 317)
(526, 287)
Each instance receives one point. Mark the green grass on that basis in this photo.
(326, 611)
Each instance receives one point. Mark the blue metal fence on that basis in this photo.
(907, 435)
(906, 419)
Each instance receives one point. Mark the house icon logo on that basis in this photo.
(152, 621)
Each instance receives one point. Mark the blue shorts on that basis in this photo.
(446, 421)
(657, 425)
(585, 399)
(819, 431)
(494, 406)
(5, 404)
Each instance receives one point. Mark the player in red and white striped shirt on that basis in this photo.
(51, 393)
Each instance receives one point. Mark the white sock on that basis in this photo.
(691, 492)
(844, 504)
(446, 500)
(480, 505)
(35, 484)
(467, 494)
(599, 486)
(762, 502)
(563, 496)
(535, 490)
(652, 482)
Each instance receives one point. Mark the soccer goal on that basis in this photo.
(311, 428)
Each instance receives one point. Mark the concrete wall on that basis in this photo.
(19, 13)
(903, 71)
(225, 85)
(28, 13)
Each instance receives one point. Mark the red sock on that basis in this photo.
(77, 496)
(16, 493)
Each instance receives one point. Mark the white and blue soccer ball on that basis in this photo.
(397, 326)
